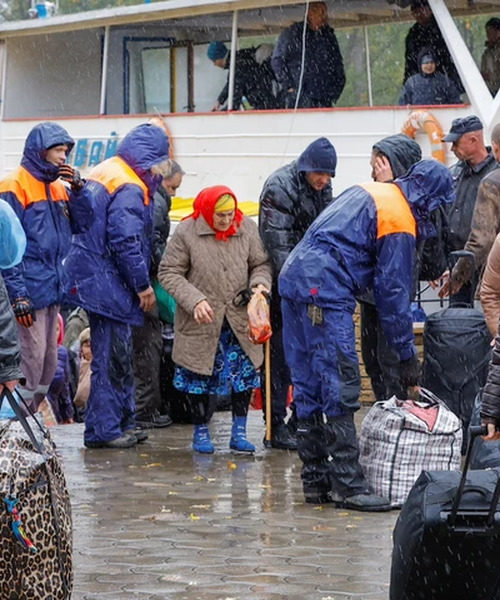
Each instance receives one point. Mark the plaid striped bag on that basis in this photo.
(399, 439)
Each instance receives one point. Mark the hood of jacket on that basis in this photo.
(320, 157)
(142, 148)
(41, 138)
(401, 151)
(427, 186)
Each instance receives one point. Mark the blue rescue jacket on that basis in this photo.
(366, 239)
(109, 264)
(41, 203)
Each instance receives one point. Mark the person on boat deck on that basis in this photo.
(147, 339)
(490, 59)
(485, 222)
(12, 247)
(321, 78)
(475, 160)
(253, 77)
(49, 214)
(365, 239)
(107, 273)
(213, 257)
(292, 197)
(391, 157)
(425, 33)
(429, 86)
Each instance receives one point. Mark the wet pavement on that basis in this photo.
(157, 522)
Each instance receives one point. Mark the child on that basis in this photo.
(83, 389)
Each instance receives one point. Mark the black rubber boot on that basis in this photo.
(349, 486)
(313, 451)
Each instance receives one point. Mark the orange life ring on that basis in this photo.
(421, 120)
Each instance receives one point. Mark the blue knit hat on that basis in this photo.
(319, 157)
(216, 50)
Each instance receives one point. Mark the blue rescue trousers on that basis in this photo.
(321, 354)
(111, 405)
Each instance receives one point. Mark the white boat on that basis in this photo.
(99, 73)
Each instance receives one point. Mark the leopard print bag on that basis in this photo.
(35, 514)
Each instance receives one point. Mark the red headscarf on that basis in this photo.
(204, 204)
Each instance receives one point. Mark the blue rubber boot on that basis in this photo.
(239, 440)
(201, 440)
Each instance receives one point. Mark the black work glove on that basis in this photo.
(72, 176)
(409, 371)
(24, 311)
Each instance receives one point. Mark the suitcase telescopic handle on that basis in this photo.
(474, 432)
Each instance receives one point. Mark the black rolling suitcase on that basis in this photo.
(447, 536)
(457, 353)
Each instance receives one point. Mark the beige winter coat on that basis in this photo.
(198, 267)
(490, 288)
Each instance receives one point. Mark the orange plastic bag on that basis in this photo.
(259, 323)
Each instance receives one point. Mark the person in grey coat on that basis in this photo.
(12, 247)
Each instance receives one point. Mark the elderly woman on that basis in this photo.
(214, 256)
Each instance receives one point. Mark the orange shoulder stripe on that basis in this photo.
(393, 211)
(114, 172)
(29, 189)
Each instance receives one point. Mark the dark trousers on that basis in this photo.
(381, 360)
(111, 406)
(203, 406)
(280, 378)
(148, 345)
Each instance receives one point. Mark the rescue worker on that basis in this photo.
(391, 157)
(365, 239)
(108, 275)
(49, 213)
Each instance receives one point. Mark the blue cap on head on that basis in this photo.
(319, 157)
(216, 50)
(462, 125)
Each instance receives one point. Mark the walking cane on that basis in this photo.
(267, 439)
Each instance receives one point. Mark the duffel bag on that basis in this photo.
(35, 513)
(401, 438)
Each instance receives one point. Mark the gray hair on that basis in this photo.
(173, 168)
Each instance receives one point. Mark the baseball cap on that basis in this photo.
(461, 126)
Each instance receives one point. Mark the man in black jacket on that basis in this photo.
(292, 197)
(314, 78)
(148, 343)
(253, 78)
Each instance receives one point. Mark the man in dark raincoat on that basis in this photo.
(107, 273)
(292, 197)
(364, 240)
(49, 213)
(392, 156)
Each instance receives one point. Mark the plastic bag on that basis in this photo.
(259, 323)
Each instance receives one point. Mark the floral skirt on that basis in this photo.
(233, 370)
